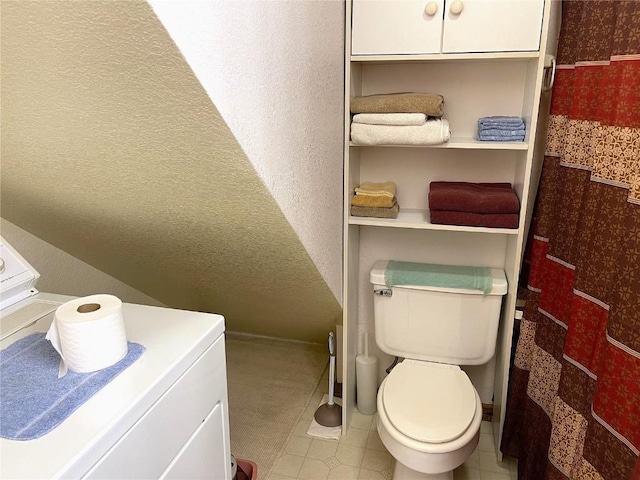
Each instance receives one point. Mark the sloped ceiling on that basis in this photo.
(113, 152)
(275, 72)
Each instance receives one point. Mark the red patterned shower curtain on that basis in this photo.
(573, 408)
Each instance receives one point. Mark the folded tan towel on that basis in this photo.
(427, 103)
(373, 201)
(387, 189)
(376, 212)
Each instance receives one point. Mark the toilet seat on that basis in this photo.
(429, 402)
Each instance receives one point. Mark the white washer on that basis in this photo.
(165, 416)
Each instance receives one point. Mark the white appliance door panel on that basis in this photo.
(204, 456)
(493, 26)
(146, 450)
(381, 27)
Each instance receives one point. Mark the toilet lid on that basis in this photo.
(429, 402)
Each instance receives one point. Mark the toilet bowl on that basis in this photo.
(429, 417)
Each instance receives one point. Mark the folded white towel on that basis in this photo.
(390, 118)
(435, 131)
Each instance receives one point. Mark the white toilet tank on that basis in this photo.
(438, 324)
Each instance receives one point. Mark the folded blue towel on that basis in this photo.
(434, 275)
(34, 400)
(500, 138)
(504, 125)
(509, 120)
(502, 133)
(515, 121)
(501, 126)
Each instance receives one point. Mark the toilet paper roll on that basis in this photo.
(366, 383)
(89, 333)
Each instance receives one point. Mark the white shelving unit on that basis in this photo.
(484, 60)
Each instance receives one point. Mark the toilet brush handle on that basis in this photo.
(366, 345)
(332, 372)
(332, 365)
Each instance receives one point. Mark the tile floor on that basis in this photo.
(270, 383)
(360, 455)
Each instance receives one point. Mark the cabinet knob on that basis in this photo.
(456, 7)
(431, 9)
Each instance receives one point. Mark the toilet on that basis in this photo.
(429, 413)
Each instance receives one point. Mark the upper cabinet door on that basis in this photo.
(396, 27)
(492, 26)
(387, 27)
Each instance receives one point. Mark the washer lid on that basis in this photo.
(429, 402)
(17, 278)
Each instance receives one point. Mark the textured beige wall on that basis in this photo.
(112, 151)
(86, 280)
(275, 72)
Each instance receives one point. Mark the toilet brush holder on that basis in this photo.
(366, 381)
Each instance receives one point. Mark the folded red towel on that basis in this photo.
(473, 197)
(492, 220)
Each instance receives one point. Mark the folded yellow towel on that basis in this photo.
(387, 189)
(376, 212)
(373, 201)
(427, 103)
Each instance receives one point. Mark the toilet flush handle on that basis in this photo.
(383, 292)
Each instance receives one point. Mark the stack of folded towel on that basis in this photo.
(474, 204)
(501, 129)
(399, 119)
(375, 200)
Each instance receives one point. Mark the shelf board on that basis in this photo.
(460, 142)
(419, 219)
(442, 57)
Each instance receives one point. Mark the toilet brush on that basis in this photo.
(330, 414)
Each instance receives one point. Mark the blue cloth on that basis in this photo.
(505, 124)
(501, 133)
(500, 138)
(500, 120)
(33, 399)
(501, 126)
(501, 129)
(434, 275)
